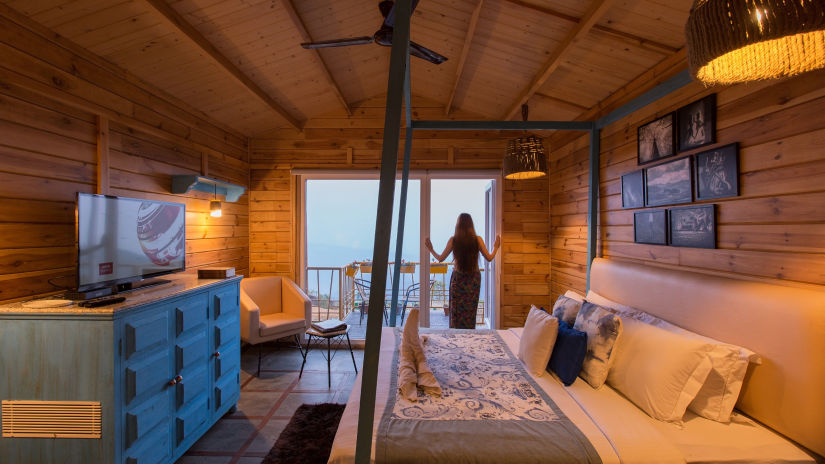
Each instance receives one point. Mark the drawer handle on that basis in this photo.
(172, 382)
(178, 378)
(217, 354)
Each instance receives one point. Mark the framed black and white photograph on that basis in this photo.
(657, 139)
(693, 226)
(697, 123)
(650, 226)
(633, 190)
(669, 183)
(717, 172)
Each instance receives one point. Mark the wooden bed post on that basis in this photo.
(593, 200)
(383, 228)
(402, 204)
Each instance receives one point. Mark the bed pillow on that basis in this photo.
(574, 294)
(659, 371)
(717, 397)
(603, 329)
(566, 309)
(568, 353)
(537, 340)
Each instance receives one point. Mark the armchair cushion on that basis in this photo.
(273, 324)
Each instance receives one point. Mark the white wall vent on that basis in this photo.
(51, 419)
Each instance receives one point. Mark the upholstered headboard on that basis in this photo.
(784, 325)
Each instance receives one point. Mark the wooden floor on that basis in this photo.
(268, 402)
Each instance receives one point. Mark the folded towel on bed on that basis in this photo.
(413, 371)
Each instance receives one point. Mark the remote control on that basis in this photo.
(102, 301)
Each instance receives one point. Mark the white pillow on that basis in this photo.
(537, 340)
(574, 295)
(659, 371)
(603, 329)
(717, 397)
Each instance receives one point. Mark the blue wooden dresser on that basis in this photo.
(164, 366)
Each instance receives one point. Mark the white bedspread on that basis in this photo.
(617, 429)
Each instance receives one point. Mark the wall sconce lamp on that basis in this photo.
(215, 205)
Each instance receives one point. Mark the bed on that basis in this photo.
(780, 415)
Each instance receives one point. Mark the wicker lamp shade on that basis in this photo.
(525, 158)
(730, 41)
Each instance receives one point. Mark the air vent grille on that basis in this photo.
(51, 419)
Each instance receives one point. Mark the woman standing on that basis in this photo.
(465, 281)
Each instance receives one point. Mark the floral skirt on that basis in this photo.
(464, 288)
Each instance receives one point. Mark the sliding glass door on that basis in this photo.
(337, 233)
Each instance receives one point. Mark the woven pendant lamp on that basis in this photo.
(730, 41)
(524, 158)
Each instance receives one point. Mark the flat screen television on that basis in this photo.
(124, 240)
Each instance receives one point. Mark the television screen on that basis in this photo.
(125, 239)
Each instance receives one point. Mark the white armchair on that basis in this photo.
(273, 308)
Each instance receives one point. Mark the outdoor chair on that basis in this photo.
(363, 288)
(411, 297)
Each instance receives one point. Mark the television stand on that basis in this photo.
(140, 285)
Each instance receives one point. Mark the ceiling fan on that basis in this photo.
(382, 36)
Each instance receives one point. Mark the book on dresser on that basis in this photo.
(331, 325)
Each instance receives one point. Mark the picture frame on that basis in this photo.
(656, 140)
(650, 226)
(669, 183)
(697, 123)
(717, 172)
(633, 189)
(692, 226)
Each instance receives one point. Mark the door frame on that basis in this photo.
(424, 176)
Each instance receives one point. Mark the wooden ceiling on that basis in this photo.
(240, 60)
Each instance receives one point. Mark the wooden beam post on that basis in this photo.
(102, 155)
(593, 199)
(383, 229)
(179, 23)
(322, 65)
(468, 40)
(597, 9)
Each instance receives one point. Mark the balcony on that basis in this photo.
(335, 294)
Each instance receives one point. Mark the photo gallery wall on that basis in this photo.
(705, 175)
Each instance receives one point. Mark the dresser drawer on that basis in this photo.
(191, 419)
(225, 302)
(191, 313)
(145, 332)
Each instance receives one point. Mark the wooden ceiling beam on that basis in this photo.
(189, 31)
(597, 9)
(561, 101)
(624, 36)
(468, 40)
(302, 30)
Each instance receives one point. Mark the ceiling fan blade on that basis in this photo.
(426, 54)
(390, 19)
(337, 42)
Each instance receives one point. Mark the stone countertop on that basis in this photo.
(179, 283)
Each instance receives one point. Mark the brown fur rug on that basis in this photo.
(307, 438)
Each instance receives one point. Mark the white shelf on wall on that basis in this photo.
(185, 183)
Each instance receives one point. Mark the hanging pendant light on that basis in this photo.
(215, 205)
(730, 41)
(524, 158)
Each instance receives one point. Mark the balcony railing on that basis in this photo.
(333, 293)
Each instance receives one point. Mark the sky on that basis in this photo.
(341, 220)
(341, 217)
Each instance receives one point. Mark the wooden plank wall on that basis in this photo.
(354, 143)
(54, 97)
(775, 229)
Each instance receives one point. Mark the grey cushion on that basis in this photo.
(603, 328)
(565, 309)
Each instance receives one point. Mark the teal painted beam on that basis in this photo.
(502, 125)
(674, 83)
(593, 200)
(383, 229)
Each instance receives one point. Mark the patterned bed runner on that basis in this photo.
(491, 410)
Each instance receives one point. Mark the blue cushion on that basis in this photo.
(568, 353)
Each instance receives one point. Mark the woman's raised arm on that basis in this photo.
(447, 249)
(483, 248)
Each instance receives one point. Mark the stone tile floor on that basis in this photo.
(268, 402)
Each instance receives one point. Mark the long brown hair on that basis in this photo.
(465, 244)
